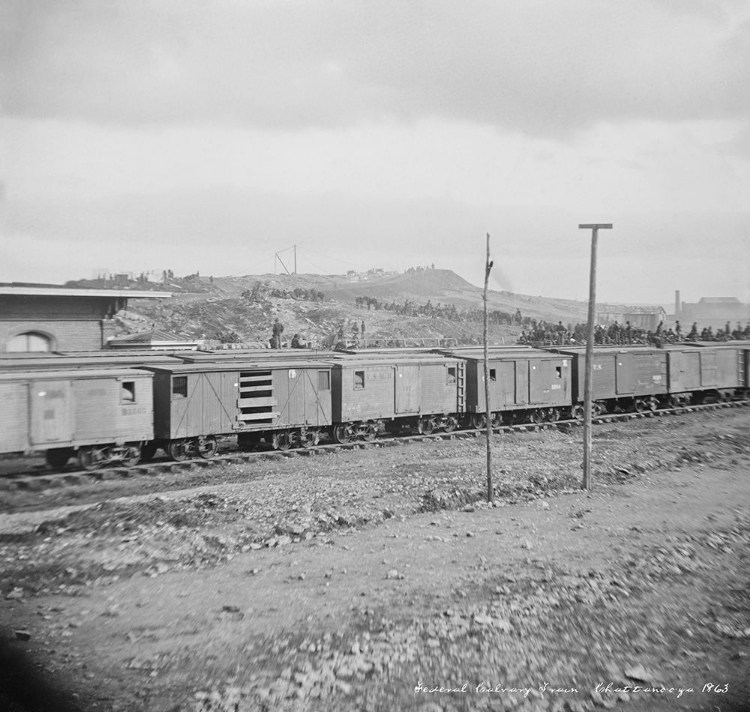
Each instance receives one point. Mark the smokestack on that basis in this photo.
(677, 303)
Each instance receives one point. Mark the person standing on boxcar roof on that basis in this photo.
(278, 330)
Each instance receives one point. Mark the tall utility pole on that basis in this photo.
(295, 259)
(589, 382)
(487, 411)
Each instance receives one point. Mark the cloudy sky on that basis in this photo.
(206, 135)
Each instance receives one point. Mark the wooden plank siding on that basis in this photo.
(43, 410)
(227, 398)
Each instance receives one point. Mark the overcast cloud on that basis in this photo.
(203, 134)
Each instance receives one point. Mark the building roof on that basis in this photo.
(625, 309)
(69, 292)
(148, 337)
(719, 300)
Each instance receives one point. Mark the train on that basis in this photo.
(104, 409)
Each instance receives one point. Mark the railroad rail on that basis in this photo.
(43, 480)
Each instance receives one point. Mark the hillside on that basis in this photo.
(438, 286)
(423, 303)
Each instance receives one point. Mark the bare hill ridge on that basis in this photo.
(438, 286)
(326, 308)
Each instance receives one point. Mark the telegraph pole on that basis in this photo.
(488, 411)
(587, 405)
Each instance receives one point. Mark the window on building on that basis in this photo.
(451, 374)
(493, 374)
(127, 393)
(359, 380)
(30, 341)
(179, 386)
(324, 380)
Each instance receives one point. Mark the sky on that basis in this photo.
(208, 135)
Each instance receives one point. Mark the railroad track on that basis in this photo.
(44, 479)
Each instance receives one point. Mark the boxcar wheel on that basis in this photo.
(341, 433)
(478, 421)
(207, 447)
(309, 438)
(178, 450)
(132, 456)
(450, 424)
(426, 426)
(282, 441)
(91, 458)
(536, 416)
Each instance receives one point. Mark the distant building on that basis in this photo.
(714, 312)
(644, 317)
(48, 318)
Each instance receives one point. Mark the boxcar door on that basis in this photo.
(51, 412)
(625, 374)
(675, 373)
(538, 382)
(708, 368)
(522, 382)
(407, 387)
(318, 397)
(506, 384)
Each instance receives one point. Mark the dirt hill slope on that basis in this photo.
(324, 308)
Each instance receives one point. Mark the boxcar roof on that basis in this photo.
(716, 344)
(68, 374)
(502, 354)
(185, 368)
(76, 362)
(629, 348)
(359, 360)
(259, 354)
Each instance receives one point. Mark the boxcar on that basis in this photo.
(284, 402)
(372, 392)
(707, 370)
(525, 384)
(622, 378)
(102, 415)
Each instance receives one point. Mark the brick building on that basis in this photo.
(34, 318)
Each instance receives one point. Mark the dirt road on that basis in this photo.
(378, 579)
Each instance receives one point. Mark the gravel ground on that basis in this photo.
(365, 579)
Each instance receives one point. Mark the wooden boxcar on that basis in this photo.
(286, 402)
(629, 378)
(376, 391)
(525, 384)
(103, 415)
(707, 370)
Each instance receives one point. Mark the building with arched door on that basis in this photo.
(45, 318)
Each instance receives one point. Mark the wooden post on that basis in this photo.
(589, 381)
(488, 411)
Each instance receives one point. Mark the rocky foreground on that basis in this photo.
(380, 579)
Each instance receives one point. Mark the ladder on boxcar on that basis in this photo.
(461, 387)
